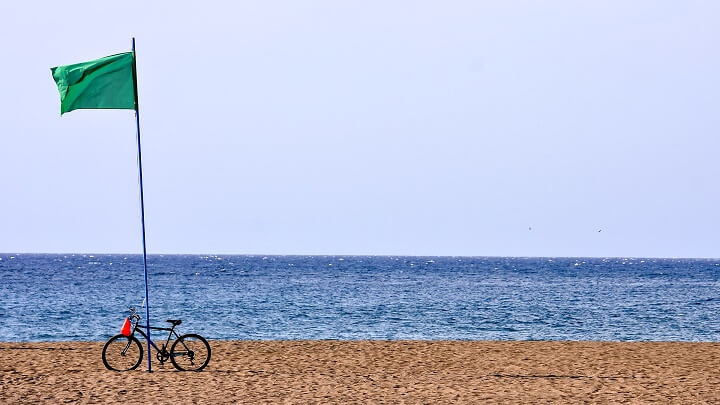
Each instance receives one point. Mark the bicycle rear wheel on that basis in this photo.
(190, 352)
(122, 353)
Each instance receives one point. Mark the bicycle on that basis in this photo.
(123, 352)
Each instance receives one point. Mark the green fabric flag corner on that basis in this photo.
(105, 83)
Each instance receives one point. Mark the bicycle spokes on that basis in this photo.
(186, 351)
(122, 353)
(190, 352)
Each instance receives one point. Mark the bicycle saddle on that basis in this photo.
(175, 322)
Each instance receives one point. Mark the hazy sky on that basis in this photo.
(557, 128)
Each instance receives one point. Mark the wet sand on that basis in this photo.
(375, 372)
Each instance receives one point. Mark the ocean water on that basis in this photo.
(85, 297)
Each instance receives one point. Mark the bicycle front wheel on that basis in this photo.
(122, 353)
(190, 352)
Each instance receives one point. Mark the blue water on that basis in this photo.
(85, 297)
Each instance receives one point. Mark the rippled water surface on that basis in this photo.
(85, 297)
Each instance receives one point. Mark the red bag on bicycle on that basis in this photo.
(125, 330)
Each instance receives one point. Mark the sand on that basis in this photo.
(375, 372)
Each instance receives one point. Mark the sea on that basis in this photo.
(75, 297)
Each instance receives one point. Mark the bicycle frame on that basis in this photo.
(137, 328)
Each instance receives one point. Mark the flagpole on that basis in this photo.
(142, 209)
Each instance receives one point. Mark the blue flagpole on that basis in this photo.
(142, 209)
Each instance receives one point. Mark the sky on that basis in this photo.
(479, 128)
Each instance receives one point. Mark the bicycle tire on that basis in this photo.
(190, 352)
(114, 358)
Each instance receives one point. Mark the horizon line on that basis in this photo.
(359, 255)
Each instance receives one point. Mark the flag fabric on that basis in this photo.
(105, 83)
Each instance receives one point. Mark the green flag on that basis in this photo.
(103, 83)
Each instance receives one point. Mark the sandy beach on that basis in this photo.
(375, 372)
